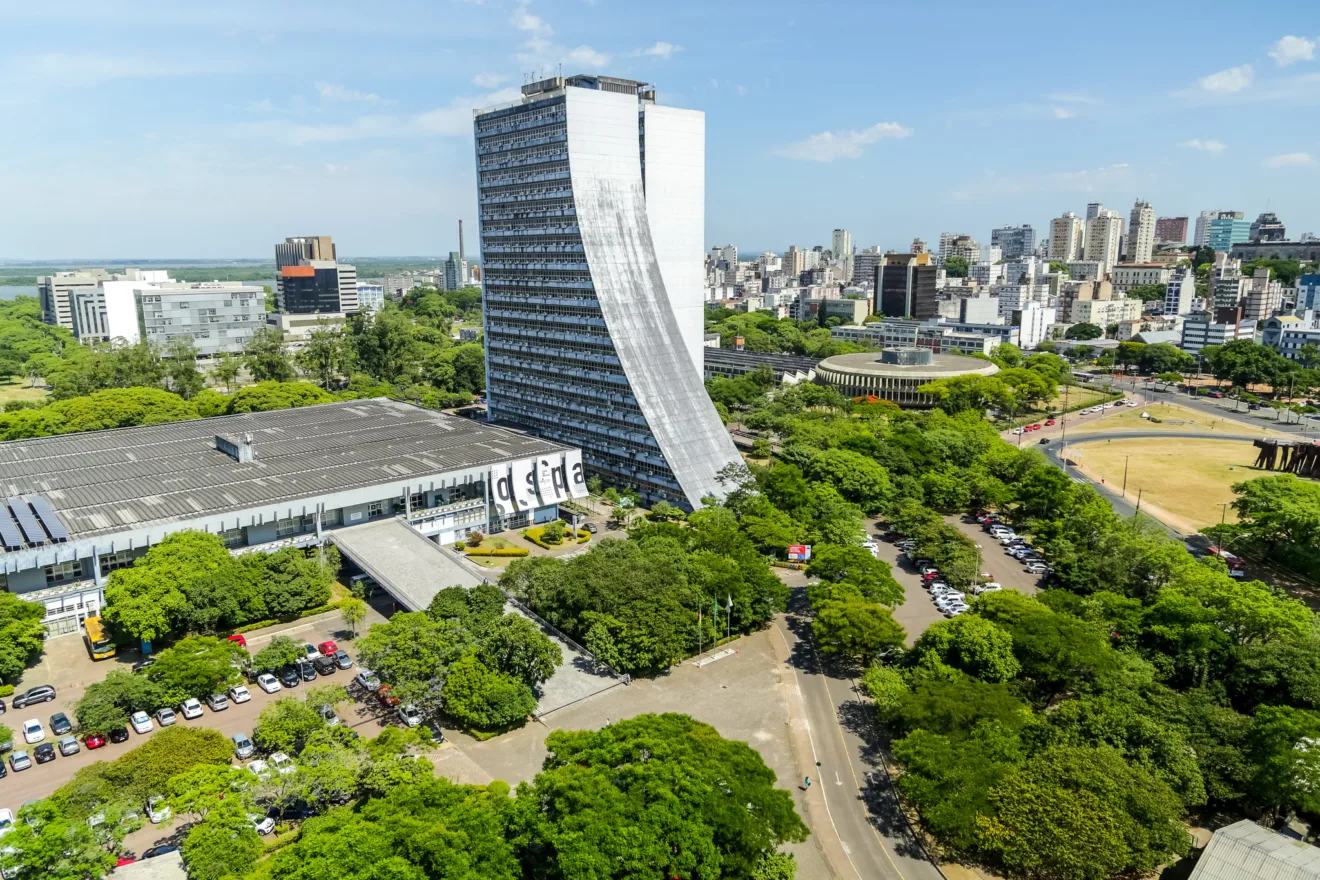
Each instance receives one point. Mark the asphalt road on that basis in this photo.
(1290, 423)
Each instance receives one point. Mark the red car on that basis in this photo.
(327, 648)
(1049, 421)
(95, 741)
(930, 575)
(238, 637)
(1036, 427)
(387, 699)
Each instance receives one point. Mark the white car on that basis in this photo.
(6, 821)
(192, 708)
(239, 694)
(283, 764)
(165, 717)
(991, 587)
(268, 683)
(259, 769)
(410, 716)
(263, 824)
(1018, 431)
(327, 713)
(217, 702)
(311, 651)
(33, 732)
(141, 722)
(944, 602)
(955, 610)
(1007, 539)
(367, 679)
(157, 810)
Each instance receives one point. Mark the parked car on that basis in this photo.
(44, 753)
(239, 694)
(163, 850)
(238, 638)
(259, 769)
(69, 746)
(20, 760)
(327, 648)
(95, 740)
(325, 665)
(144, 665)
(6, 821)
(305, 670)
(217, 702)
(42, 693)
(1019, 431)
(1049, 422)
(120, 734)
(157, 810)
(165, 717)
(955, 610)
(283, 764)
(141, 722)
(410, 716)
(60, 724)
(342, 660)
(1007, 539)
(589, 528)
(981, 589)
(1037, 568)
(289, 677)
(385, 697)
(263, 824)
(243, 746)
(327, 713)
(310, 650)
(367, 680)
(191, 708)
(33, 732)
(267, 683)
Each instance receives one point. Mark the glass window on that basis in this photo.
(234, 537)
(286, 527)
(376, 508)
(63, 571)
(117, 560)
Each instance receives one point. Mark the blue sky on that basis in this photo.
(150, 129)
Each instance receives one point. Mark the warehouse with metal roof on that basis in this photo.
(1247, 851)
(75, 507)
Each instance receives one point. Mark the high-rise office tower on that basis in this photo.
(1171, 230)
(329, 287)
(1094, 210)
(795, 261)
(1268, 227)
(591, 199)
(1141, 233)
(841, 245)
(1014, 241)
(1202, 233)
(905, 287)
(1227, 228)
(1066, 238)
(1104, 232)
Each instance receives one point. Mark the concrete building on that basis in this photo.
(794, 261)
(906, 286)
(1225, 229)
(1247, 851)
(593, 274)
(917, 247)
(1179, 292)
(1016, 296)
(935, 335)
(1171, 230)
(980, 308)
(1202, 329)
(842, 247)
(728, 253)
(1141, 233)
(456, 271)
(850, 311)
(1066, 238)
(370, 297)
(1033, 322)
(1288, 333)
(1093, 210)
(1305, 251)
(864, 265)
(1084, 270)
(1096, 302)
(1308, 291)
(1201, 237)
(1264, 296)
(396, 287)
(728, 363)
(896, 374)
(88, 503)
(318, 252)
(1103, 234)
(1014, 241)
(1267, 227)
(1128, 275)
(56, 291)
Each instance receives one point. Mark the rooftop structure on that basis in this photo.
(789, 369)
(896, 374)
(1247, 851)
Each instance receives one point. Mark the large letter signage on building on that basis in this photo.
(502, 489)
(524, 483)
(551, 480)
(577, 475)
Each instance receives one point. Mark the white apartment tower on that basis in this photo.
(1066, 238)
(591, 198)
(1141, 233)
(841, 245)
(1104, 232)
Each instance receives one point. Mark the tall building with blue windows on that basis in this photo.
(591, 198)
(1227, 228)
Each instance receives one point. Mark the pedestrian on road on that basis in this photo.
(806, 781)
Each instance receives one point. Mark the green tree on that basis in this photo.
(325, 356)
(353, 611)
(285, 725)
(295, 581)
(413, 653)
(44, 843)
(21, 634)
(477, 696)
(873, 577)
(266, 356)
(224, 844)
(956, 267)
(1084, 331)
(226, 369)
(197, 666)
(856, 629)
(106, 704)
(180, 360)
(971, 644)
(553, 532)
(858, 479)
(166, 588)
(515, 646)
(279, 651)
(1285, 761)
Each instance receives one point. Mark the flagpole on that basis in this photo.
(700, 649)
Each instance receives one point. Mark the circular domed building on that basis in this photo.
(895, 374)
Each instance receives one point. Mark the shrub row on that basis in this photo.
(507, 551)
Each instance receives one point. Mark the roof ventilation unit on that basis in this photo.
(238, 447)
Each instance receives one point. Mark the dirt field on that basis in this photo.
(1186, 479)
(1173, 419)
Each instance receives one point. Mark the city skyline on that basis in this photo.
(191, 123)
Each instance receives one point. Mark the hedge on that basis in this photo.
(6, 690)
(504, 551)
(310, 612)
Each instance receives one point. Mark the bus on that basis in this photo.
(98, 645)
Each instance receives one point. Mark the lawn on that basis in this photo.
(1075, 396)
(17, 389)
(1186, 478)
(1173, 419)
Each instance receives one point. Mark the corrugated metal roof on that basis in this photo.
(1245, 850)
(104, 481)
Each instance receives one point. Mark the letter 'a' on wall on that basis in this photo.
(577, 475)
(502, 490)
(524, 483)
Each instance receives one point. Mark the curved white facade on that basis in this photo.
(592, 282)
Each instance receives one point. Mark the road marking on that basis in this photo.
(837, 780)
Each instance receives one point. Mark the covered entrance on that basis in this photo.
(407, 565)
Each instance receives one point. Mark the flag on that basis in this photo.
(715, 604)
(730, 605)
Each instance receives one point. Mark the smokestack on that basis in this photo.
(460, 238)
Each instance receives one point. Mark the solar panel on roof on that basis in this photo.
(49, 518)
(27, 522)
(9, 532)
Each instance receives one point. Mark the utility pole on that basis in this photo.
(1223, 511)
(1125, 470)
(1138, 502)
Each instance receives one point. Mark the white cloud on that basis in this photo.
(526, 21)
(661, 50)
(489, 80)
(1289, 160)
(1226, 82)
(331, 92)
(1291, 49)
(1072, 98)
(828, 146)
(455, 119)
(1088, 180)
(541, 53)
(742, 90)
(1063, 113)
(1209, 145)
